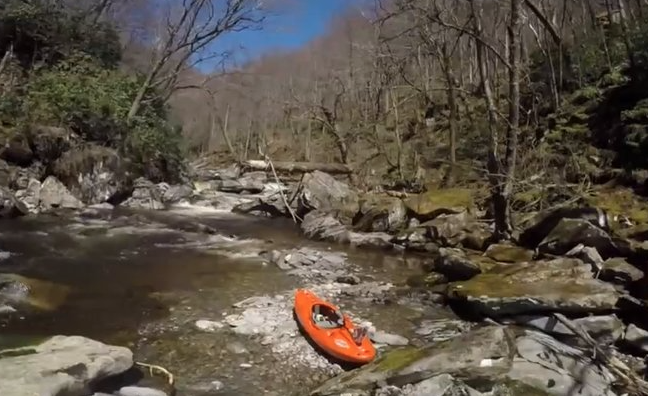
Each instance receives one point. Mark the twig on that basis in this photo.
(631, 380)
(294, 216)
(152, 368)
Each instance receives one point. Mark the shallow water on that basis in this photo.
(137, 282)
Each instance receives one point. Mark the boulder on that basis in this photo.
(174, 193)
(618, 270)
(20, 177)
(60, 366)
(10, 206)
(94, 174)
(562, 284)
(545, 222)
(30, 196)
(321, 192)
(146, 195)
(569, 233)
(380, 214)
(636, 337)
(54, 195)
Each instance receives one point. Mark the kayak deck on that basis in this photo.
(331, 330)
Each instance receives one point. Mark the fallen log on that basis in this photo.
(297, 167)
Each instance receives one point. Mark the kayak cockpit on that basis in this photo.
(325, 317)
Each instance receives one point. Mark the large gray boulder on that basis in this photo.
(60, 366)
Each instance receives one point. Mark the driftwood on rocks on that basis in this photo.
(297, 167)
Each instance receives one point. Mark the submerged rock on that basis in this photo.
(18, 291)
(60, 366)
(556, 285)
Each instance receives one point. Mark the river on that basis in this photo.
(136, 280)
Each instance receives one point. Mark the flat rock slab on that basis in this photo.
(562, 284)
(60, 366)
(481, 353)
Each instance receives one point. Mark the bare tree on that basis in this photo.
(188, 33)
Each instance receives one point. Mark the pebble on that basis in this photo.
(208, 325)
(245, 365)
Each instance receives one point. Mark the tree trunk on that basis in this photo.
(299, 167)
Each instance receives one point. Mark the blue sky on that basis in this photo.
(288, 28)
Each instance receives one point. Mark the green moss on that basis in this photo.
(621, 201)
(432, 201)
(511, 387)
(585, 94)
(398, 359)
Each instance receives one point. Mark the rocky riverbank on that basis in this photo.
(508, 337)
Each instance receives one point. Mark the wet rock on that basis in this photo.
(606, 329)
(207, 174)
(10, 206)
(416, 239)
(323, 226)
(19, 290)
(321, 192)
(556, 368)
(94, 174)
(569, 233)
(21, 177)
(381, 337)
(508, 253)
(430, 204)
(146, 195)
(54, 195)
(61, 365)
(380, 214)
(618, 270)
(556, 285)
(139, 391)
(637, 337)
(481, 353)
(457, 265)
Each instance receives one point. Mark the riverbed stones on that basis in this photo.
(569, 233)
(54, 195)
(605, 329)
(380, 214)
(637, 337)
(506, 253)
(61, 366)
(139, 391)
(618, 270)
(457, 264)
(325, 227)
(561, 284)
(320, 191)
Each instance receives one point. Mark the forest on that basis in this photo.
(533, 101)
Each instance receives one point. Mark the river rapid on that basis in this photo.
(136, 279)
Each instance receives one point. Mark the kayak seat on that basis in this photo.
(325, 318)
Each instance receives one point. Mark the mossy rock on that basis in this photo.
(621, 202)
(432, 203)
(511, 387)
(427, 280)
(508, 253)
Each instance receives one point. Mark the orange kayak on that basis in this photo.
(331, 330)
